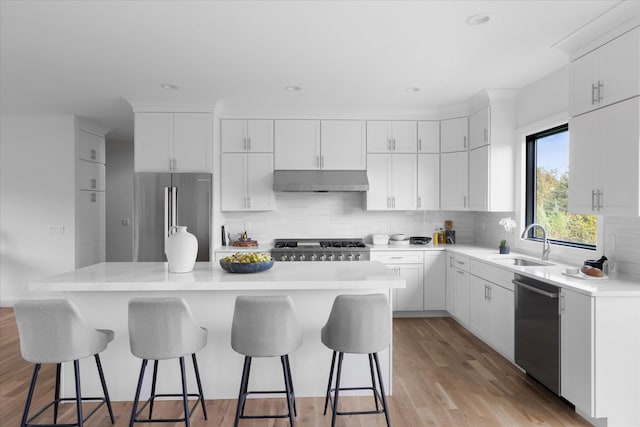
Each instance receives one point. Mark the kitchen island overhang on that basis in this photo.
(102, 292)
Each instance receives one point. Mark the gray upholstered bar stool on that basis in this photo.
(357, 324)
(54, 331)
(265, 326)
(159, 329)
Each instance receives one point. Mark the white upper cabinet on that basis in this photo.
(479, 165)
(392, 182)
(254, 136)
(428, 136)
(608, 74)
(247, 182)
(297, 144)
(428, 182)
(90, 147)
(398, 136)
(479, 127)
(604, 159)
(173, 142)
(343, 145)
(454, 175)
(454, 134)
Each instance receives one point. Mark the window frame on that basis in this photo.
(530, 186)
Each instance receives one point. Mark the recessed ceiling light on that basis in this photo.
(478, 19)
(168, 86)
(412, 89)
(293, 88)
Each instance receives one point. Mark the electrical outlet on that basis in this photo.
(56, 229)
(124, 222)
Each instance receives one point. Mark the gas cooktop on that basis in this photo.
(320, 250)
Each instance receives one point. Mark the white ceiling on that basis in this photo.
(349, 57)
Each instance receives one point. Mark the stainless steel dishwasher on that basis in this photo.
(537, 330)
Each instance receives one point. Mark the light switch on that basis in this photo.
(56, 229)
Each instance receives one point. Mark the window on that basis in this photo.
(547, 196)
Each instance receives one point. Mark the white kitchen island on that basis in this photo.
(102, 292)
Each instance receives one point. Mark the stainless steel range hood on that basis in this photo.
(319, 181)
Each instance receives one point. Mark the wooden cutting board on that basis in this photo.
(245, 243)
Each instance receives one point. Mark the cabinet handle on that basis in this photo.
(317, 161)
(94, 197)
(451, 262)
(460, 272)
(464, 141)
(460, 262)
(321, 162)
(489, 292)
(593, 200)
(393, 202)
(561, 306)
(388, 202)
(394, 144)
(93, 183)
(419, 144)
(93, 155)
(594, 87)
(244, 144)
(600, 90)
(389, 144)
(249, 202)
(249, 144)
(486, 135)
(485, 292)
(464, 201)
(419, 202)
(600, 195)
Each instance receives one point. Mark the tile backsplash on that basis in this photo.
(340, 215)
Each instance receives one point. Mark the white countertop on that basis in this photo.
(155, 276)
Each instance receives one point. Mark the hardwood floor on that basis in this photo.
(443, 376)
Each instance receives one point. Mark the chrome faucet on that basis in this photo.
(546, 247)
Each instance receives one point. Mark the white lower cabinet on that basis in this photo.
(434, 280)
(576, 350)
(461, 289)
(409, 266)
(450, 297)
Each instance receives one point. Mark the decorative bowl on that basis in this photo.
(246, 267)
(398, 236)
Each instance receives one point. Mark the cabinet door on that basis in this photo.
(260, 136)
(479, 308)
(90, 176)
(343, 145)
(153, 142)
(404, 181)
(428, 182)
(404, 136)
(192, 142)
(90, 227)
(411, 297)
(454, 180)
(584, 163)
(451, 284)
(454, 134)
(379, 172)
(479, 125)
(585, 73)
(233, 135)
(620, 72)
(234, 182)
(434, 281)
(576, 350)
(428, 136)
(462, 295)
(479, 179)
(260, 181)
(90, 147)
(502, 320)
(378, 137)
(297, 144)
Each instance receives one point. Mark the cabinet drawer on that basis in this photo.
(461, 262)
(492, 274)
(398, 257)
(90, 176)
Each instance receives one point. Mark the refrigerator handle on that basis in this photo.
(174, 208)
(167, 220)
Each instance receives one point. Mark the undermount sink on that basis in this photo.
(525, 262)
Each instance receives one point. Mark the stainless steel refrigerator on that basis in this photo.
(163, 200)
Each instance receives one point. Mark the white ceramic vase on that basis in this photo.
(181, 250)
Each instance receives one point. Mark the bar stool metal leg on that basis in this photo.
(134, 409)
(373, 381)
(56, 394)
(242, 396)
(326, 399)
(285, 363)
(288, 389)
(197, 371)
(76, 370)
(32, 387)
(337, 390)
(153, 387)
(384, 399)
(185, 400)
(104, 387)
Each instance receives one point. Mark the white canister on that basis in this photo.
(181, 250)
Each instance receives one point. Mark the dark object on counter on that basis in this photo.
(244, 268)
(450, 236)
(245, 243)
(597, 263)
(224, 237)
(419, 240)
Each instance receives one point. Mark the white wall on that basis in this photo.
(37, 190)
(119, 201)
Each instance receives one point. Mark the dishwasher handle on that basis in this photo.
(534, 289)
